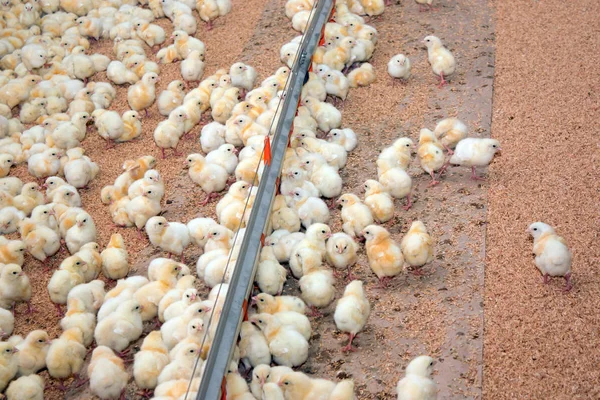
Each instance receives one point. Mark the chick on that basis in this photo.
(12, 185)
(84, 231)
(7, 323)
(296, 385)
(141, 95)
(115, 259)
(212, 136)
(362, 76)
(384, 254)
(417, 384)
(9, 219)
(9, 364)
(399, 67)
(132, 127)
(395, 181)
(324, 177)
(64, 279)
(225, 156)
(342, 252)
(185, 44)
(431, 154)
(198, 228)
(91, 294)
(77, 316)
(242, 76)
(352, 311)
(314, 240)
(121, 327)
(29, 198)
(182, 365)
(316, 285)
(212, 178)
(26, 387)
(45, 164)
(355, 215)
(41, 241)
(168, 132)
(110, 126)
(263, 375)
(118, 73)
(79, 169)
(310, 209)
(192, 68)
(441, 59)
(90, 254)
(254, 349)
(143, 207)
(65, 356)
(266, 303)
(175, 330)
(171, 98)
(32, 352)
(475, 152)
(177, 308)
(172, 237)
(107, 374)
(552, 256)
(449, 132)
(328, 117)
(152, 34)
(14, 287)
(150, 361)
(270, 275)
(379, 201)
(288, 347)
(417, 246)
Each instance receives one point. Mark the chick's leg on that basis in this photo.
(569, 285)
(545, 279)
(433, 180)
(59, 310)
(442, 80)
(349, 347)
(474, 175)
(350, 276)
(408, 203)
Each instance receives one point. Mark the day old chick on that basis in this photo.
(172, 237)
(355, 215)
(342, 252)
(475, 152)
(417, 384)
(32, 352)
(552, 256)
(449, 132)
(115, 259)
(379, 201)
(29, 387)
(150, 361)
(107, 374)
(431, 154)
(441, 59)
(399, 67)
(384, 254)
(352, 311)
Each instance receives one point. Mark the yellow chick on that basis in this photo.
(342, 252)
(192, 68)
(316, 286)
(66, 355)
(69, 275)
(14, 287)
(384, 254)
(118, 73)
(149, 295)
(169, 131)
(254, 349)
(84, 231)
(475, 152)
(89, 253)
(26, 387)
(32, 352)
(6, 162)
(237, 388)
(352, 311)
(172, 237)
(270, 275)
(288, 347)
(143, 207)
(223, 107)
(132, 127)
(10, 219)
(395, 181)
(29, 198)
(40, 240)
(264, 374)
(417, 246)
(552, 256)
(9, 364)
(297, 386)
(398, 154)
(379, 201)
(327, 116)
(77, 316)
(44, 164)
(91, 294)
(212, 178)
(431, 154)
(171, 98)
(115, 259)
(315, 238)
(152, 34)
(80, 169)
(141, 95)
(150, 361)
(337, 56)
(265, 303)
(362, 76)
(177, 308)
(7, 323)
(121, 327)
(441, 59)
(417, 384)
(168, 55)
(449, 132)
(12, 185)
(355, 215)
(107, 374)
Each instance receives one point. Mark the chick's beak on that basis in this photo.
(253, 300)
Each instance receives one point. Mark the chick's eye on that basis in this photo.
(14, 272)
(535, 229)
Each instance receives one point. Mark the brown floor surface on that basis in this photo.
(539, 342)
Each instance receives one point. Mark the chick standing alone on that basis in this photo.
(399, 67)
(441, 60)
(417, 384)
(352, 311)
(552, 256)
(475, 152)
(417, 246)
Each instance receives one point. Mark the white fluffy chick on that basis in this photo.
(171, 98)
(254, 349)
(212, 178)
(199, 228)
(288, 347)
(121, 327)
(310, 209)
(66, 355)
(242, 76)
(33, 56)
(172, 237)
(399, 67)
(79, 170)
(107, 374)
(150, 361)
(475, 152)
(115, 259)
(441, 59)
(7, 323)
(168, 132)
(212, 136)
(323, 176)
(316, 285)
(417, 384)
(177, 308)
(352, 311)
(29, 387)
(417, 246)
(270, 275)
(143, 207)
(552, 256)
(431, 154)
(84, 231)
(449, 132)
(355, 215)
(395, 181)
(9, 219)
(327, 116)
(379, 201)
(110, 125)
(192, 68)
(342, 252)
(344, 137)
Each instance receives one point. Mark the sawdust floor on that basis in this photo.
(539, 342)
